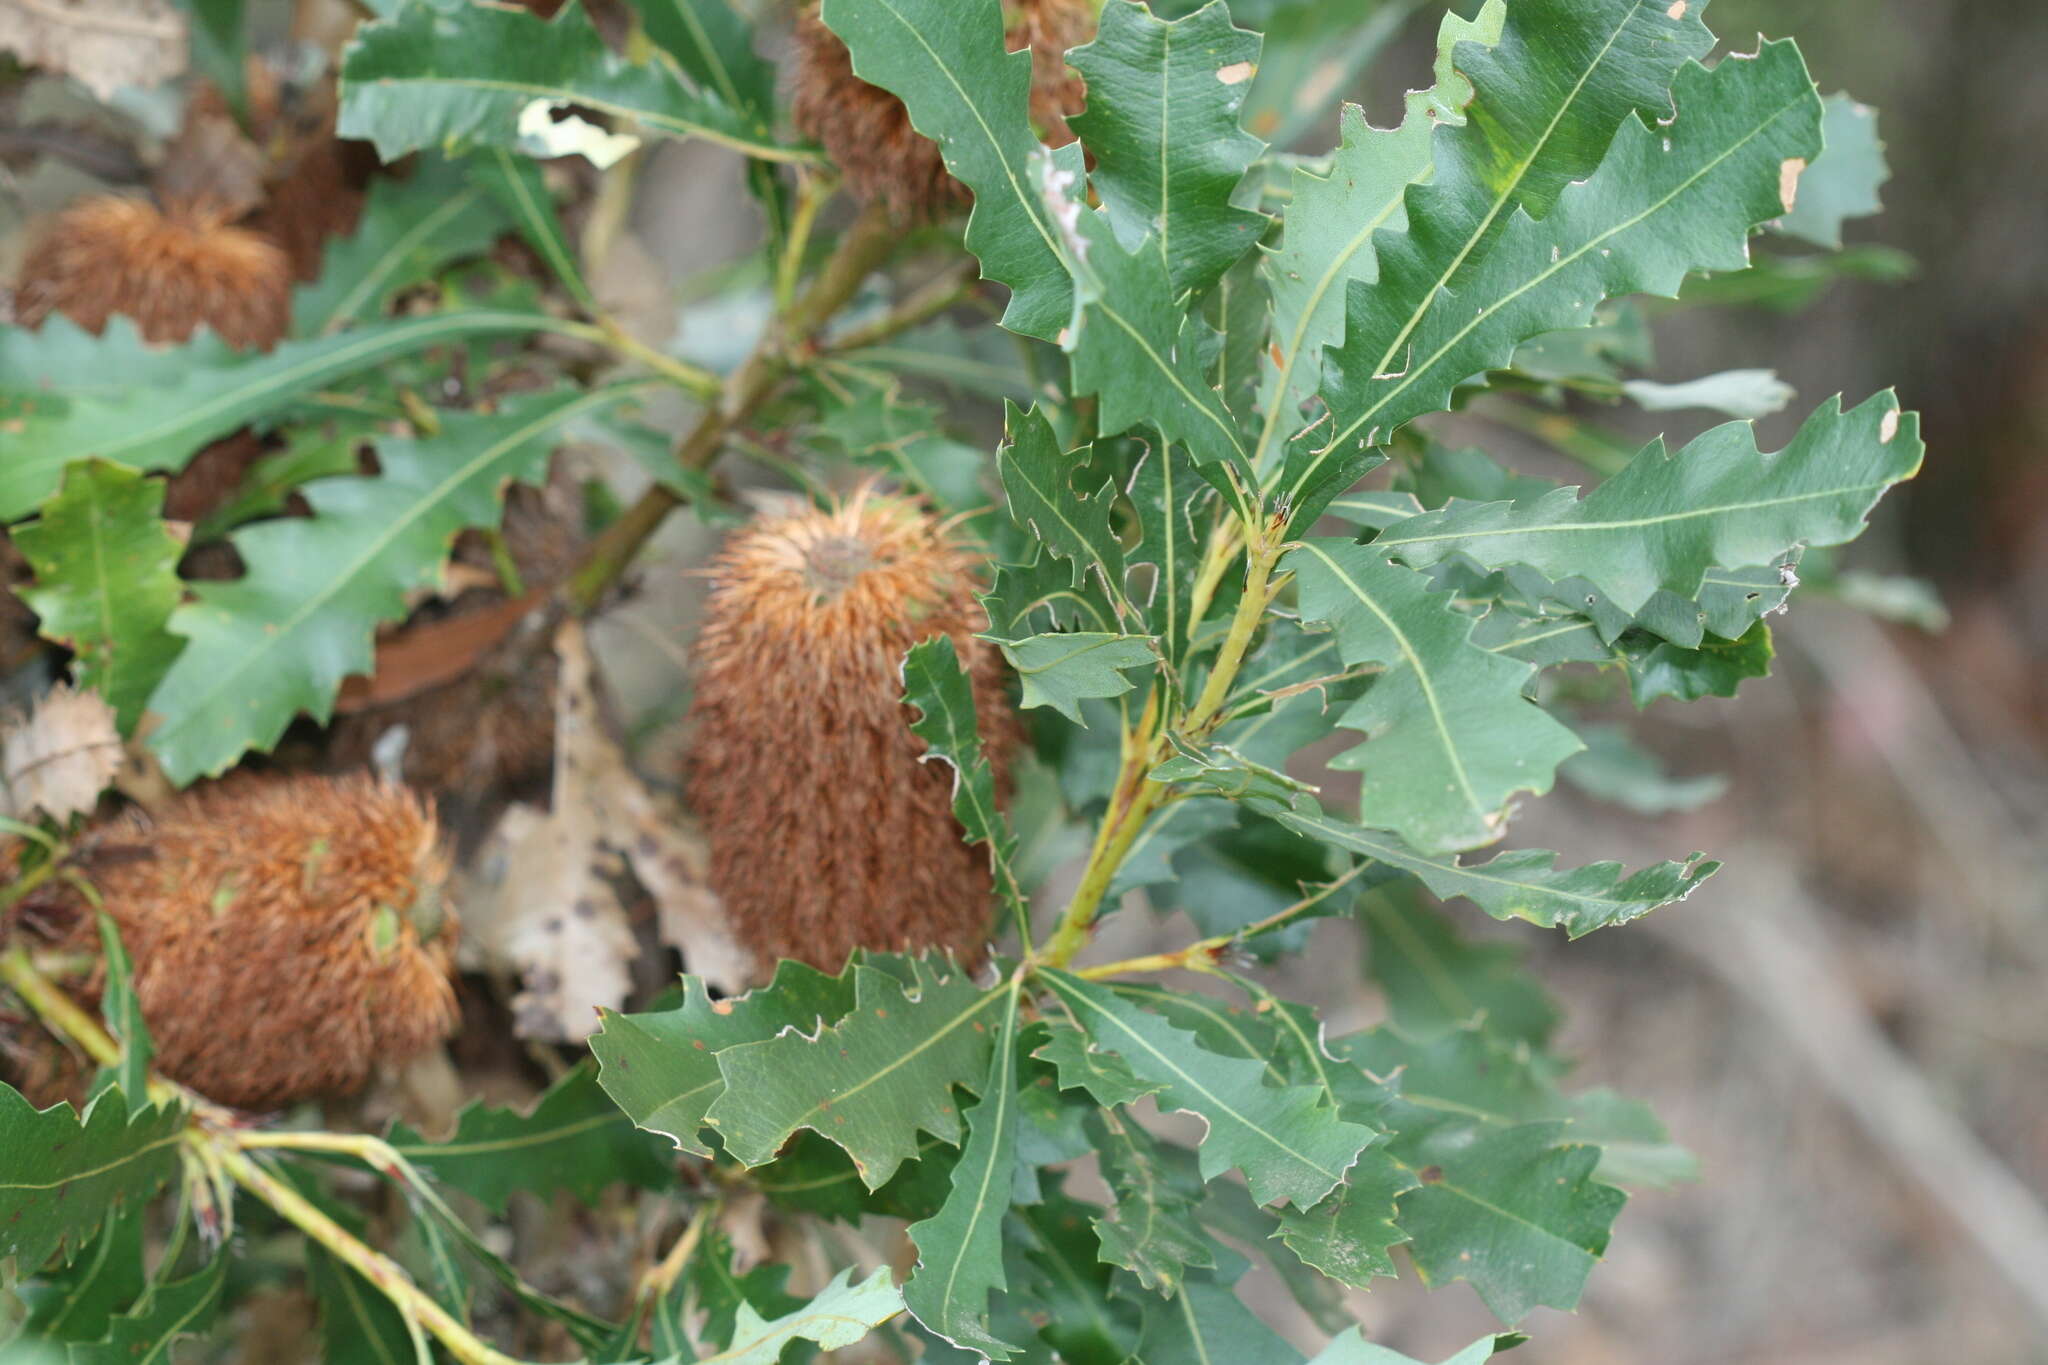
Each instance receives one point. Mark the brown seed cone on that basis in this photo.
(866, 130)
(287, 933)
(828, 832)
(169, 270)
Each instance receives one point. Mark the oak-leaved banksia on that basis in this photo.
(828, 831)
(867, 132)
(172, 270)
(288, 934)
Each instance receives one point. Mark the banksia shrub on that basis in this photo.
(828, 833)
(287, 934)
(866, 130)
(172, 270)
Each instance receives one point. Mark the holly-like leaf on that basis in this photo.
(946, 60)
(1667, 520)
(1526, 883)
(876, 425)
(1287, 1140)
(936, 684)
(176, 1310)
(1168, 498)
(871, 1082)
(409, 229)
(78, 1302)
(1162, 122)
(1349, 1235)
(1643, 221)
(1658, 668)
(1328, 238)
(1153, 1231)
(1140, 353)
(433, 76)
(661, 1068)
(960, 1249)
(107, 581)
(715, 48)
(1206, 1320)
(1223, 770)
(1081, 1065)
(65, 1171)
(575, 1138)
(1452, 736)
(514, 183)
(278, 641)
(199, 392)
(1037, 477)
(839, 1315)
(1436, 980)
(1844, 182)
(1062, 671)
(719, 1293)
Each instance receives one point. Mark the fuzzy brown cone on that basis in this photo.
(827, 830)
(866, 130)
(287, 933)
(171, 270)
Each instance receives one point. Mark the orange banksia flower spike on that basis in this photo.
(867, 132)
(288, 934)
(173, 270)
(827, 832)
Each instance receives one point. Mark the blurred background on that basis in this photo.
(1849, 1025)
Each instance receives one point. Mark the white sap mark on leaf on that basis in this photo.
(1677, 10)
(1888, 428)
(1237, 73)
(1788, 180)
(542, 135)
(1057, 190)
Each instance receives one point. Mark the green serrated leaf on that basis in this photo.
(1081, 1065)
(1331, 220)
(1169, 498)
(936, 684)
(514, 183)
(1436, 981)
(1526, 883)
(1452, 736)
(358, 1324)
(960, 1249)
(430, 77)
(64, 1171)
(1667, 520)
(1152, 1232)
(575, 1138)
(409, 229)
(661, 1068)
(1036, 476)
(1206, 1320)
(1843, 182)
(1613, 768)
(840, 1315)
(1349, 1235)
(278, 641)
(78, 1302)
(1162, 124)
(1062, 671)
(719, 1293)
(715, 48)
(871, 1082)
(310, 452)
(176, 1310)
(107, 581)
(877, 426)
(1658, 668)
(1643, 221)
(1287, 1140)
(947, 61)
(206, 395)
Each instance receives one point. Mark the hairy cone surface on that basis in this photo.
(287, 933)
(866, 130)
(828, 832)
(170, 270)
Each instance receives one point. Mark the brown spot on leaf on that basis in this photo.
(1430, 1175)
(1789, 172)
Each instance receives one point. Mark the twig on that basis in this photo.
(865, 245)
(924, 303)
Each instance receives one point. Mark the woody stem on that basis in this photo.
(864, 246)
